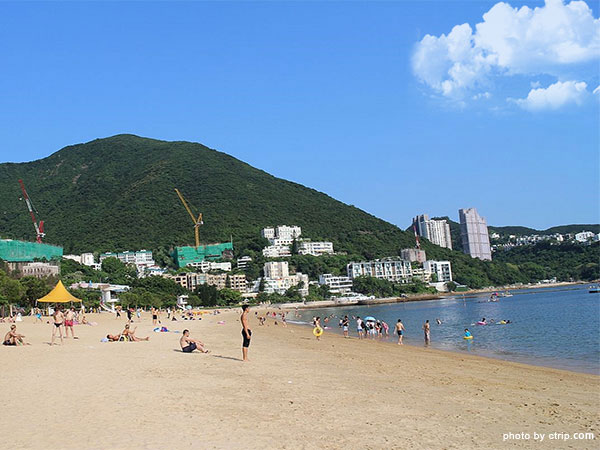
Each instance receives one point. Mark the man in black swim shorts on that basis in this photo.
(246, 332)
(188, 345)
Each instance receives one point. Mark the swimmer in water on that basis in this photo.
(439, 322)
(467, 333)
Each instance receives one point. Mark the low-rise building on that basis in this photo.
(243, 262)
(138, 258)
(281, 285)
(277, 251)
(315, 248)
(337, 284)
(40, 270)
(396, 270)
(442, 270)
(276, 269)
(584, 236)
(282, 234)
(207, 266)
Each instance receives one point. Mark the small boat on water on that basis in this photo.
(505, 294)
(594, 290)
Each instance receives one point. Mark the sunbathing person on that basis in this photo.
(129, 334)
(113, 338)
(13, 338)
(188, 345)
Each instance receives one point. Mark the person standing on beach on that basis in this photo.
(246, 332)
(58, 319)
(426, 330)
(69, 318)
(129, 315)
(399, 331)
(154, 315)
(359, 327)
(345, 325)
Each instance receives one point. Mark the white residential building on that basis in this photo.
(276, 269)
(76, 258)
(139, 258)
(87, 259)
(277, 251)
(40, 270)
(207, 266)
(315, 248)
(474, 234)
(337, 284)
(282, 234)
(396, 270)
(584, 236)
(442, 269)
(242, 263)
(281, 285)
(436, 231)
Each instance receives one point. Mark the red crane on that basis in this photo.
(39, 228)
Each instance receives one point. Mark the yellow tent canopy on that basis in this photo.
(58, 295)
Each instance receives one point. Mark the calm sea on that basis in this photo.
(553, 327)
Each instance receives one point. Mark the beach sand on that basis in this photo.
(295, 393)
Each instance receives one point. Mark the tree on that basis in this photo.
(451, 285)
(294, 247)
(229, 297)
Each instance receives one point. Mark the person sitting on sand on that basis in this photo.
(130, 334)
(13, 338)
(188, 345)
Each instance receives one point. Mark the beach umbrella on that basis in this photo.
(370, 319)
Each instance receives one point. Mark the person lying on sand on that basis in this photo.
(113, 338)
(13, 338)
(130, 334)
(188, 345)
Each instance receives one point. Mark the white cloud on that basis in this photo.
(509, 41)
(555, 96)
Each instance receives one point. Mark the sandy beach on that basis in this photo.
(295, 393)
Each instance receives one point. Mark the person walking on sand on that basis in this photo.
(58, 319)
(69, 318)
(154, 316)
(399, 331)
(246, 332)
(426, 330)
(188, 345)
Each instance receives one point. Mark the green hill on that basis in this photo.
(118, 193)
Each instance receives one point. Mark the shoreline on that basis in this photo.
(415, 298)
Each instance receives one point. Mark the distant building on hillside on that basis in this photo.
(187, 255)
(442, 270)
(396, 270)
(474, 234)
(282, 234)
(137, 258)
(584, 236)
(337, 284)
(315, 248)
(413, 255)
(436, 231)
(242, 263)
(40, 270)
(276, 269)
(277, 251)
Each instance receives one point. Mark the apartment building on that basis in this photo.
(396, 270)
(442, 270)
(436, 231)
(315, 248)
(337, 284)
(474, 234)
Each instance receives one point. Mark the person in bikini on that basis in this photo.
(188, 345)
(58, 319)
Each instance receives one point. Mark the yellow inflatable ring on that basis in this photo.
(317, 331)
(467, 337)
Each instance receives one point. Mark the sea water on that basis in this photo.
(553, 327)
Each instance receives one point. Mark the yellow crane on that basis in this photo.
(197, 221)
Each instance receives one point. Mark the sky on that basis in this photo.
(399, 108)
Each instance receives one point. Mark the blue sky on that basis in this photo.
(330, 95)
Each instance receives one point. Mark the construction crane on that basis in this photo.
(417, 237)
(39, 227)
(197, 220)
